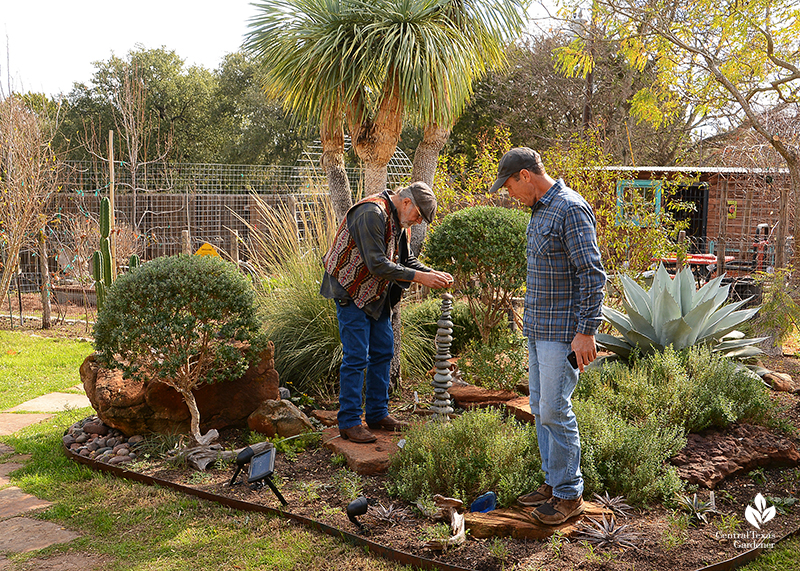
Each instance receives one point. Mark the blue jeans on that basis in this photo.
(552, 381)
(366, 344)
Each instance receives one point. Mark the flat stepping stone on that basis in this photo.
(6, 469)
(517, 522)
(11, 422)
(365, 459)
(53, 402)
(21, 534)
(14, 501)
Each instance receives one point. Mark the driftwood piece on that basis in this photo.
(201, 457)
(449, 511)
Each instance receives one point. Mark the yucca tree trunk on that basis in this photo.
(375, 140)
(332, 162)
(426, 157)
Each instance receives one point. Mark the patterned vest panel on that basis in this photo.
(343, 261)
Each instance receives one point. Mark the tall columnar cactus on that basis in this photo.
(102, 260)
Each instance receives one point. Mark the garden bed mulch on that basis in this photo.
(314, 484)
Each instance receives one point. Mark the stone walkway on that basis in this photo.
(18, 533)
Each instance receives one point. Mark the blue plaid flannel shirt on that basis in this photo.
(564, 287)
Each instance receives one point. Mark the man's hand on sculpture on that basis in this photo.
(434, 279)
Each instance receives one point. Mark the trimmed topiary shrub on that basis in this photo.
(483, 247)
(181, 320)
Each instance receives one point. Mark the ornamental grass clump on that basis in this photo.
(476, 452)
(183, 321)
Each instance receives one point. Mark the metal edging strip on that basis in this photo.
(376, 548)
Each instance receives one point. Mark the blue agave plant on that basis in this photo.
(674, 312)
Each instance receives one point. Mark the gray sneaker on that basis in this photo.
(537, 498)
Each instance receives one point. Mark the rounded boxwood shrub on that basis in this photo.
(484, 248)
(180, 320)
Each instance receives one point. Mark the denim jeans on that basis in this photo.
(366, 344)
(552, 381)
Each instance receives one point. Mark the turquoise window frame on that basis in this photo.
(641, 187)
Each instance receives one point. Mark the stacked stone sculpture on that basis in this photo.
(442, 378)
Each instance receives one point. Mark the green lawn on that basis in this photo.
(33, 366)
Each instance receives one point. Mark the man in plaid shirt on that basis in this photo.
(563, 298)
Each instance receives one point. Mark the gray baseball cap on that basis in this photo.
(514, 161)
(424, 199)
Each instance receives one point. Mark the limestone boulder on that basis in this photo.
(137, 407)
(279, 417)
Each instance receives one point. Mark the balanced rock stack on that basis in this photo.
(442, 378)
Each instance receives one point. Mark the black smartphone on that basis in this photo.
(572, 360)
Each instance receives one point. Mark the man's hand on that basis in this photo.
(433, 279)
(585, 349)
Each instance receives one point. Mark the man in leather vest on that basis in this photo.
(366, 270)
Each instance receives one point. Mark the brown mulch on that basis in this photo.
(308, 480)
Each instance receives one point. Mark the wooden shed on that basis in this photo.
(735, 207)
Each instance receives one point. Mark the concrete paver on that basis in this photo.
(53, 402)
(21, 534)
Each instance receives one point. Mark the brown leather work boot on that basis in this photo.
(357, 434)
(555, 510)
(388, 423)
(537, 498)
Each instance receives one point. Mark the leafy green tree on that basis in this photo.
(364, 65)
(736, 59)
(484, 248)
(179, 100)
(254, 129)
(180, 320)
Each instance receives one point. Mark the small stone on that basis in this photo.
(442, 378)
(101, 442)
(119, 459)
(92, 446)
(135, 439)
(104, 450)
(111, 442)
(68, 440)
(81, 438)
(95, 428)
(123, 452)
(445, 324)
(84, 452)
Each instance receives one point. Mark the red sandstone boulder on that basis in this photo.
(714, 455)
(136, 407)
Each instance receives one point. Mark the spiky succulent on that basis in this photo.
(390, 515)
(674, 312)
(697, 508)
(607, 533)
(616, 504)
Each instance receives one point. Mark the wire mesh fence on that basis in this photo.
(157, 205)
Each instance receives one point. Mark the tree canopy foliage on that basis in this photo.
(200, 115)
